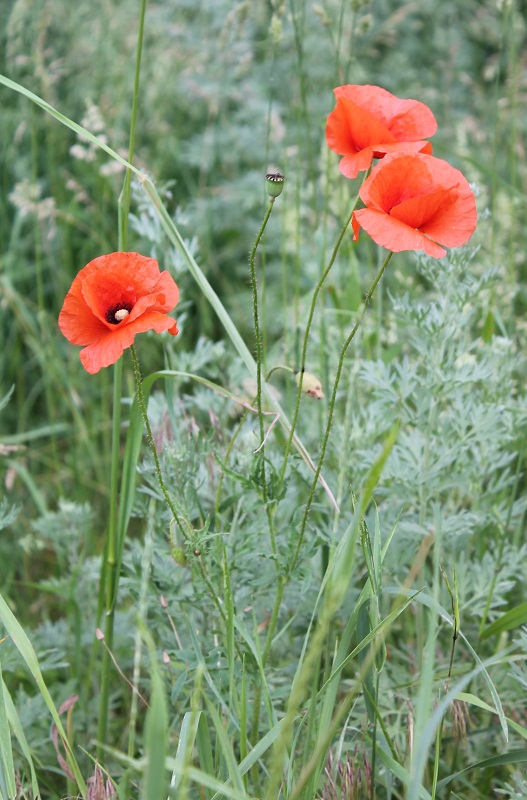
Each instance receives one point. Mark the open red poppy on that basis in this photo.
(369, 122)
(113, 298)
(416, 202)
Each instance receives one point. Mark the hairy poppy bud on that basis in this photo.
(274, 183)
(310, 385)
(178, 554)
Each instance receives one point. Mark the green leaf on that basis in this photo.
(489, 327)
(156, 733)
(26, 650)
(7, 767)
(511, 619)
(514, 757)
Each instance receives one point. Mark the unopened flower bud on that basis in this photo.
(310, 385)
(178, 554)
(274, 183)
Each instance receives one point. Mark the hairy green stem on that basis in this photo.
(311, 314)
(332, 409)
(270, 521)
(258, 339)
(151, 443)
(256, 319)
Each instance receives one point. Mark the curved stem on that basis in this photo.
(302, 367)
(151, 444)
(332, 409)
(257, 332)
(258, 338)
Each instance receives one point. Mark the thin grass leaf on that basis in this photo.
(5, 399)
(223, 742)
(31, 486)
(208, 678)
(467, 697)
(156, 733)
(229, 614)
(429, 601)
(253, 646)
(204, 748)
(36, 433)
(6, 749)
(400, 772)
(18, 731)
(202, 779)
(514, 757)
(25, 648)
(513, 618)
(427, 735)
(187, 738)
(69, 123)
(257, 752)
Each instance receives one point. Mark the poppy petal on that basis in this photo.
(393, 184)
(351, 128)
(417, 211)
(395, 235)
(76, 320)
(454, 225)
(353, 163)
(412, 120)
(369, 122)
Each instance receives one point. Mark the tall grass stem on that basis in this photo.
(109, 571)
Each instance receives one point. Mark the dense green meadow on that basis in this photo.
(277, 589)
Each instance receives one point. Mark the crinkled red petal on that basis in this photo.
(406, 119)
(393, 234)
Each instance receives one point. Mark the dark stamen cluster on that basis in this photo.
(110, 314)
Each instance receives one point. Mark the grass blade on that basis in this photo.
(25, 648)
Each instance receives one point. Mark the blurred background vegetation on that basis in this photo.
(228, 90)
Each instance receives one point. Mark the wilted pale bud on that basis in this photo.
(274, 183)
(310, 385)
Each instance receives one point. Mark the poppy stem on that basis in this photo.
(301, 370)
(256, 319)
(332, 409)
(258, 339)
(151, 444)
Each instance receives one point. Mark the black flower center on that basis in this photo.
(116, 314)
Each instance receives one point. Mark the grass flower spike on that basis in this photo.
(112, 299)
(369, 122)
(416, 202)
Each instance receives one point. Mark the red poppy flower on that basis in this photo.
(111, 300)
(369, 122)
(416, 202)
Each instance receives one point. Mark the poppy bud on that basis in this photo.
(274, 183)
(310, 385)
(178, 554)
